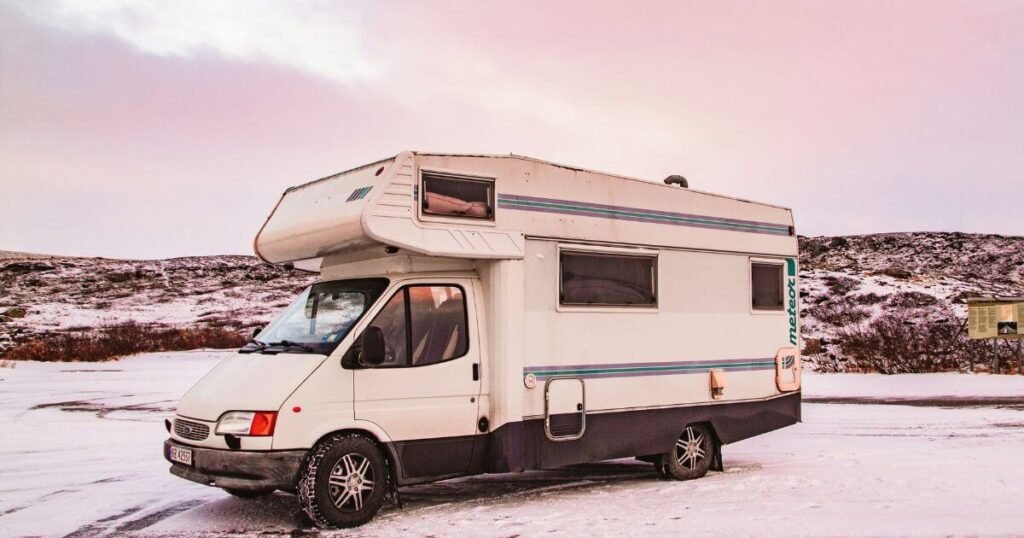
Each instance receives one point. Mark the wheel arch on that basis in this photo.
(716, 461)
(386, 447)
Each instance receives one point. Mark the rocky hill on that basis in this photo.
(897, 302)
(884, 302)
(51, 294)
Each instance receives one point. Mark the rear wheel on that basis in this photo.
(691, 456)
(344, 482)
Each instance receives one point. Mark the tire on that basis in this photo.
(248, 493)
(344, 482)
(691, 456)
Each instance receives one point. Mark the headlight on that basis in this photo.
(249, 423)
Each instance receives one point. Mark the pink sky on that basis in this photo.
(130, 129)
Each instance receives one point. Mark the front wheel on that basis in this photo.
(344, 482)
(690, 458)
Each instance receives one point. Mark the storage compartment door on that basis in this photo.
(565, 415)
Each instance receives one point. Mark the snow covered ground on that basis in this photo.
(80, 455)
(966, 389)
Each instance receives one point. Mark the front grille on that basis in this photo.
(193, 431)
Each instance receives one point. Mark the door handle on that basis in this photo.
(476, 371)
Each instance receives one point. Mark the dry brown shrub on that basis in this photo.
(120, 339)
(912, 299)
(869, 298)
(898, 342)
(838, 314)
(812, 346)
(840, 285)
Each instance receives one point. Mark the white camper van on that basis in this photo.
(496, 313)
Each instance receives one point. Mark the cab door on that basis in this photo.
(425, 394)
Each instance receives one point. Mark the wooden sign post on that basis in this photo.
(997, 318)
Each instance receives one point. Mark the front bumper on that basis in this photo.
(239, 469)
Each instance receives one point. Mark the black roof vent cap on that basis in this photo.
(676, 179)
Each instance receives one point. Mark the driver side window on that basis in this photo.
(423, 325)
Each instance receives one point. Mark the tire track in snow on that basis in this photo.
(488, 491)
(158, 516)
(119, 523)
(100, 525)
(950, 402)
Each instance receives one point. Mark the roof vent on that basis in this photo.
(677, 180)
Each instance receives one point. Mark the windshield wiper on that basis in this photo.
(288, 344)
(252, 346)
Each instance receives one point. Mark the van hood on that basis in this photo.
(247, 382)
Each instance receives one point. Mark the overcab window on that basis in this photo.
(766, 286)
(602, 279)
(458, 196)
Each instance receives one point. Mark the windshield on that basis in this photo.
(320, 317)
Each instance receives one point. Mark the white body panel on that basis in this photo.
(424, 402)
(703, 314)
(534, 198)
(252, 382)
(318, 218)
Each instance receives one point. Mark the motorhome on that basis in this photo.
(494, 314)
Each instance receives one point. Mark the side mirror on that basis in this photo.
(371, 349)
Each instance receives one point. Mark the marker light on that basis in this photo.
(247, 423)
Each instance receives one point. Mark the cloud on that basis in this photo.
(301, 35)
(400, 54)
(130, 128)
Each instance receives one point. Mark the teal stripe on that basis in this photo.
(680, 368)
(358, 194)
(646, 215)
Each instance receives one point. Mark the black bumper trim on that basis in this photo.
(519, 446)
(237, 469)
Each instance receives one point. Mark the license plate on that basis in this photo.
(181, 455)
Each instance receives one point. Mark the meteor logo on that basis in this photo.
(791, 293)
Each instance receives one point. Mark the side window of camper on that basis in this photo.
(449, 195)
(602, 279)
(426, 323)
(766, 286)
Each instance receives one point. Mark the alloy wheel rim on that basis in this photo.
(690, 448)
(351, 482)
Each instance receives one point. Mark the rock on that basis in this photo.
(838, 242)
(15, 312)
(21, 268)
(897, 272)
(961, 298)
